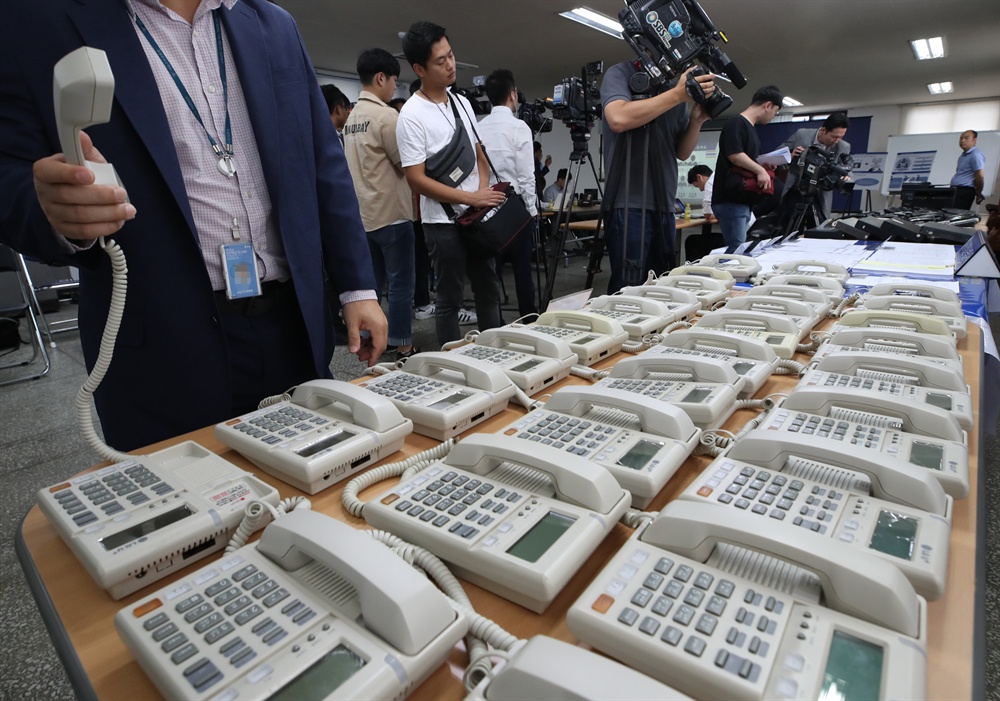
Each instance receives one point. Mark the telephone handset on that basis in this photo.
(893, 340)
(857, 404)
(803, 314)
(836, 504)
(776, 443)
(328, 431)
(832, 287)
(640, 444)
(922, 371)
(591, 336)
(546, 668)
(705, 388)
(83, 91)
(707, 290)
(818, 299)
(313, 607)
(708, 271)
(532, 360)
(914, 289)
(742, 268)
(813, 268)
(516, 519)
(779, 332)
(949, 312)
(891, 319)
(444, 394)
(135, 522)
(682, 303)
(639, 316)
(763, 632)
(958, 404)
(754, 373)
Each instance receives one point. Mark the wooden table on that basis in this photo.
(79, 614)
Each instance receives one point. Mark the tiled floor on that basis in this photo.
(40, 444)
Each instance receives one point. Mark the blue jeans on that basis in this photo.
(392, 258)
(453, 265)
(734, 220)
(650, 246)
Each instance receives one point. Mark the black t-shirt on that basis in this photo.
(738, 136)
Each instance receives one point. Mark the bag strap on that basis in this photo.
(472, 123)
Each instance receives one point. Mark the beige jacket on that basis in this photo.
(373, 158)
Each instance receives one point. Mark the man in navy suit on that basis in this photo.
(221, 138)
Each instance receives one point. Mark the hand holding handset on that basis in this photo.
(532, 360)
(328, 431)
(313, 607)
(641, 445)
(516, 519)
(135, 522)
(444, 394)
(83, 91)
(763, 632)
(591, 336)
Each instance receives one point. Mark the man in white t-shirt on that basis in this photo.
(426, 127)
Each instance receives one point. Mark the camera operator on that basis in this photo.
(829, 137)
(650, 232)
(739, 147)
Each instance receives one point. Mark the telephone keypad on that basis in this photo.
(134, 481)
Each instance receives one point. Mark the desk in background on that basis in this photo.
(79, 615)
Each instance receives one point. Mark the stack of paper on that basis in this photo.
(918, 259)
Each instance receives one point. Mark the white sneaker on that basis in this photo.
(467, 317)
(424, 312)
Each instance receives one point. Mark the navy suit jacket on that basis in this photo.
(170, 365)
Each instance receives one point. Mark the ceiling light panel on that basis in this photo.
(594, 20)
(925, 49)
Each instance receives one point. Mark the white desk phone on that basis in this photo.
(921, 371)
(948, 311)
(742, 268)
(819, 300)
(709, 291)
(682, 303)
(315, 609)
(133, 523)
(834, 503)
(753, 360)
(914, 289)
(829, 286)
(639, 316)
(893, 319)
(781, 333)
(444, 394)
(532, 360)
(754, 373)
(804, 315)
(591, 336)
(544, 668)
(641, 445)
(517, 519)
(704, 271)
(920, 434)
(705, 388)
(328, 431)
(762, 632)
(811, 268)
(895, 340)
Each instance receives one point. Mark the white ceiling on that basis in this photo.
(825, 53)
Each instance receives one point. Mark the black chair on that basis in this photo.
(62, 284)
(11, 312)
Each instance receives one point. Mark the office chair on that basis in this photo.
(10, 262)
(68, 283)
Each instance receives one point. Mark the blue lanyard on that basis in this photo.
(224, 151)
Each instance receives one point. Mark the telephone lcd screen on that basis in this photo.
(449, 400)
(527, 365)
(853, 669)
(587, 339)
(939, 400)
(698, 394)
(927, 455)
(536, 542)
(323, 677)
(332, 439)
(640, 454)
(895, 535)
(140, 530)
(742, 368)
(775, 340)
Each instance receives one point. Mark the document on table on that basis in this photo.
(842, 252)
(901, 258)
(780, 157)
(870, 280)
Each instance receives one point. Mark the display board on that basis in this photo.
(946, 151)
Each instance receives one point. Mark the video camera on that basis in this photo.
(819, 170)
(578, 100)
(533, 114)
(668, 37)
(476, 95)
